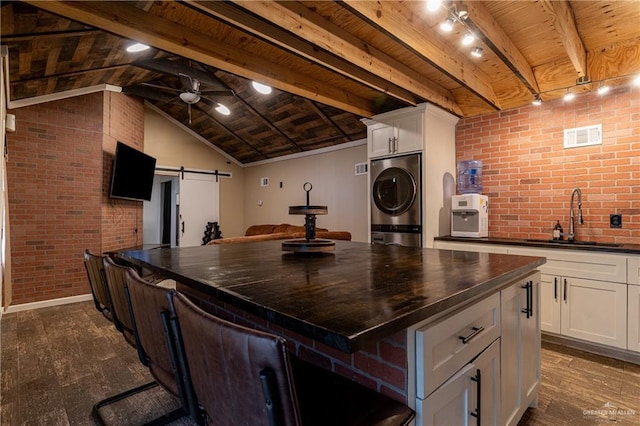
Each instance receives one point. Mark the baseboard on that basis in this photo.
(594, 348)
(48, 303)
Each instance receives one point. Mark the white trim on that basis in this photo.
(192, 133)
(62, 95)
(48, 303)
(308, 153)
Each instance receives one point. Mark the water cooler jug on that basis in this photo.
(470, 215)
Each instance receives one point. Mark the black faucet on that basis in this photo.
(571, 214)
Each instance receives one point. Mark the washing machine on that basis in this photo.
(396, 200)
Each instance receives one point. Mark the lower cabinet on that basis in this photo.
(520, 348)
(595, 311)
(469, 397)
(481, 365)
(633, 303)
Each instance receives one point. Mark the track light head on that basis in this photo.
(477, 52)
(537, 101)
(447, 25)
(468, 38)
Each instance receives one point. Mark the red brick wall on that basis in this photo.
(529, 177)
(57, 189)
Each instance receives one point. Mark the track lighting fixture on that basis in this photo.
(603, 89)
(468, 38)
(433, 5)
(537, 101)
(569, 96)
(477, 52)
(447, 25)
(223, 109)
(462, 13)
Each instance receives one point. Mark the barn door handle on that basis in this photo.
(182, 226)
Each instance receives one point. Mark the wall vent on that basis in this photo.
(362, 169)
(264, 181)
(583, 136)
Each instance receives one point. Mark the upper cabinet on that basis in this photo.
(396, 135)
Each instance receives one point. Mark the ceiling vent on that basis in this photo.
(583, 136)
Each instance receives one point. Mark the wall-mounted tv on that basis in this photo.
(133, 171)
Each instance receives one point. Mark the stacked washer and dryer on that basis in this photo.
(396, 200)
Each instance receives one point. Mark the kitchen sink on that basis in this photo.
(576, 243)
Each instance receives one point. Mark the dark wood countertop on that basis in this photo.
(563, 245)
(349, 299)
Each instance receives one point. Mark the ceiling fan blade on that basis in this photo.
(176, 68)
(218, 92)
(144, 91)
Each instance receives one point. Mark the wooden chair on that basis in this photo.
(246, 376)
(97, 282)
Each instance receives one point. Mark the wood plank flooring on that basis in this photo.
(57, 362)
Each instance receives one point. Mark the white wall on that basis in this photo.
(335, 185)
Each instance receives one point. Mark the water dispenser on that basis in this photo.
(470, 215)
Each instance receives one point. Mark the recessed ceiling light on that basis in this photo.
(223, 109)
(433, 5)
(569, 96)
(261, 88)
(477, 52)
(447, 25)
(468, 38)
(137, 47)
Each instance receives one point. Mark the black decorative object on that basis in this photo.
(310, 244)
(211, 232)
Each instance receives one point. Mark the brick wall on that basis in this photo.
(58, 204)
(529, 176)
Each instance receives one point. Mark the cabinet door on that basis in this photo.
(380, 139)
(595, 311)
(451, 403)
(550, 296)
(488, 385)
(409, 133)
(520, 348)
(633, 343)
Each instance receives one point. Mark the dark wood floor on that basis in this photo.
(57, 362)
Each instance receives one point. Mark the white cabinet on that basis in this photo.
(633, 300)
(398, 135)
(520, 348)
(550, 297)
(469, 397)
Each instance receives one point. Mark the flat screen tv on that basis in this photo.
(133, 171)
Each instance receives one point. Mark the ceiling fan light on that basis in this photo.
(223, 109)
(189, 97)
(137, 47)
(477, 52)
(433, 5)
(447, 25)
(261, 88)
(468, 38)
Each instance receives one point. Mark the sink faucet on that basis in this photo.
(571, 214)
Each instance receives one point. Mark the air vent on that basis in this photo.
(362, 169)
(264, 181)
(583, 136)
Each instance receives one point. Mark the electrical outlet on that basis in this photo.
(615, 220)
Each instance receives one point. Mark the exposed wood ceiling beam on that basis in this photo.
(49, 35)
(565, 24)
(74, 73)
(399, 22)
(128, 21)
(302, 31)
(488, 30)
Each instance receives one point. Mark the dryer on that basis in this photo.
(396, 200)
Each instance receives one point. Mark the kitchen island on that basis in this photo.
(348, 311)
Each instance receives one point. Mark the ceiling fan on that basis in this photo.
(191, 79)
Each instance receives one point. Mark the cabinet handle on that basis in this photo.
(474, 333)
(564, 296)
(395, 144)
(390, 147)
(529, 309)
(555, 288)
(478, 379)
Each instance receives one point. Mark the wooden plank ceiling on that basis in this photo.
(330, 63)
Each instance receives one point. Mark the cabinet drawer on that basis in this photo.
(633, 270)
(443, 348)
